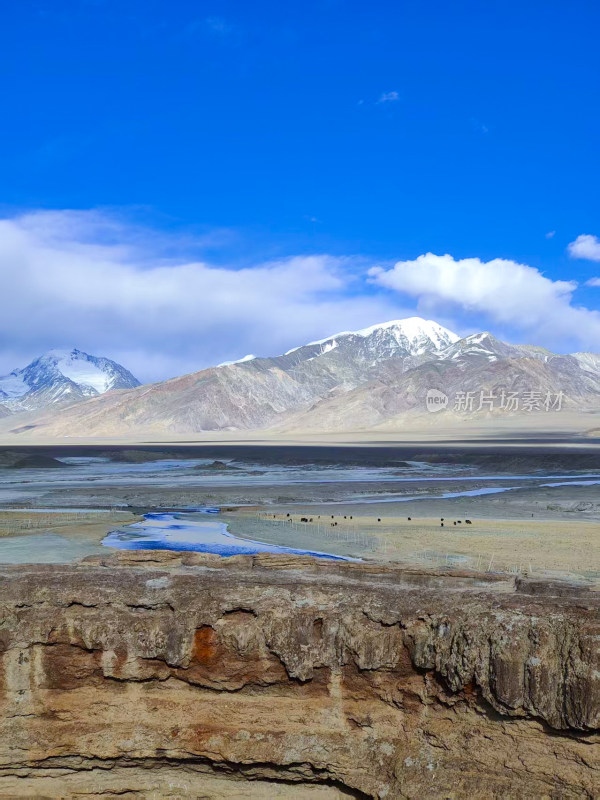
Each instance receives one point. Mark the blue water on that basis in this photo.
(197, 533)
(573, 483)
(400, 498)
(445, 496)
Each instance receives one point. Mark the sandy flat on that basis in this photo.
(570, 427)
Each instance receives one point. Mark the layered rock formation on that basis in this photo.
(163, 675)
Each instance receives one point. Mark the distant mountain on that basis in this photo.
(378, 377)
(402, 337)
(256, 392)
(398, 338)
(474, 379)
(61, 377)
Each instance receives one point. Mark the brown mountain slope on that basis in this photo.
(357, 383)
(473, 390)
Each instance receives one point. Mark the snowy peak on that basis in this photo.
(401, 337)
(415, 334)
(249, 357)
(486, 346)
(476, 345)
(590, 362)
(93, 375)
(60, 376)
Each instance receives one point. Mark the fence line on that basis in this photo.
(383, 545)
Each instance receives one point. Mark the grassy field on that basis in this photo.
(499, 545)
(80, 524)
(533, 546)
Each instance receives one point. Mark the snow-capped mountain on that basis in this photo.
(590, 362)
(355, 380)
(401, 337)
(255, 392)
(62, 376)
(485, 346)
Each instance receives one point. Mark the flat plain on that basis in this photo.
(533, 507)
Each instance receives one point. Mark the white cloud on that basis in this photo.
(90, 280)
(479, 126)
(550, 234)
(87, 279)
(585, 246)
(514, 296)
(218, 25)
(389, 97)
(593, 282)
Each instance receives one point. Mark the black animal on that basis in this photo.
(409, 519)
(303, 519)
(378, 519)
(441, 524)
(468, 522)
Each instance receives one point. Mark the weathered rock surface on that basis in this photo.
(163, 675)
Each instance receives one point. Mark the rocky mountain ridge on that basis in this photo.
(352, 381)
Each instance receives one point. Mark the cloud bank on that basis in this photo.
(514, 296)
(86, 279)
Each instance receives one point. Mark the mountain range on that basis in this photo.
(377, 377)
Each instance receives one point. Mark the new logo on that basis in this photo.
(436, 401)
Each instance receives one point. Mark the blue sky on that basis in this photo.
(242, 134)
